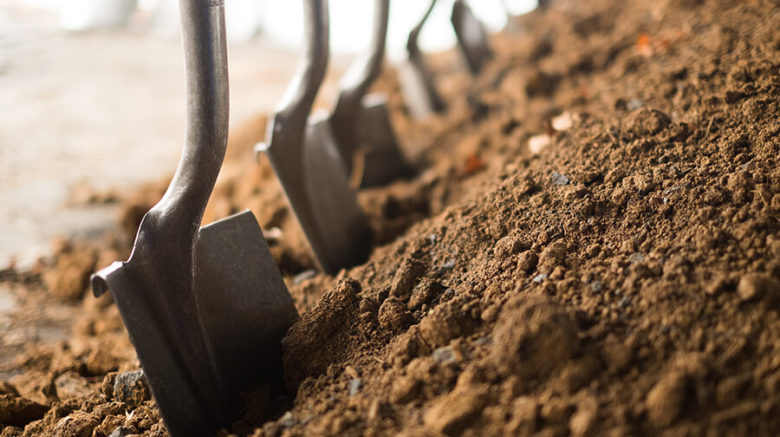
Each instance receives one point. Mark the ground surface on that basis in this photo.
(591, 247)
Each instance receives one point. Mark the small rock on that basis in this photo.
(540, 277)
(563, 122)
(482, 341)
(634, 104)
(538, 142)
(559, 179)
(755, 286)
(131, 387)
(272, 234)
(354, 386)
(444, 355)
(666, 399)
(304, 275)
(121, 431)
(393, 315)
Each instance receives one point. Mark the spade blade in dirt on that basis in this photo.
(304, 156)
(417, 81)
(361, 125)
(471, 35)
(205, 308)
(383, 160)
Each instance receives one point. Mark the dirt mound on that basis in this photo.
(591, 247)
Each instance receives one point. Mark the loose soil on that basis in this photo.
(591, 247)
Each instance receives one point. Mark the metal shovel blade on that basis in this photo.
(304, 156)
(243, 308)
(243, 302)
(471, 35)
(383, 161)
(178, 370)
(343, 237)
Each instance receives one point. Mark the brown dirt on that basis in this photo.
(624, 280)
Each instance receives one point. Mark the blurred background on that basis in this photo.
(92, 94)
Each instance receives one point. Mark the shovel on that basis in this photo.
(417, 83)
(361, 123)
(471, 35)
(205, 307)
(306, 159)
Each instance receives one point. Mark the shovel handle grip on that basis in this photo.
(205, 57)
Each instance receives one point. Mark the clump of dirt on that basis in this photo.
(591, 247)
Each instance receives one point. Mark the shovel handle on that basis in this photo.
(205, 57)
(411, 42)
(361, 74)
(289, 122)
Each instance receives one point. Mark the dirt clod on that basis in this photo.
(667, 399)
(758, 286)
(393, 315)
(533, 337)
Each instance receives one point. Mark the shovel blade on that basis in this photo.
(472, 38)
(183, 388)
(384, 161)
(199, 355)
(244, 305)
(336, 228)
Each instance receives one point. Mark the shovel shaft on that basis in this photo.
(414, 35)
(205, 57)
(420, 67)
(286, 132)
(356, 82)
